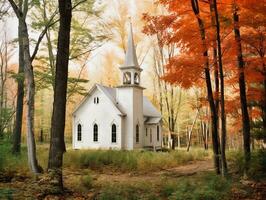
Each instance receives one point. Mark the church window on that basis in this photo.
(137, 133)
(158, 133)
(113, 133)
(95, 133)
(150, 135)
(146, 132)
(96, 100)
(127, 78)
(79, 132)
(136, 78)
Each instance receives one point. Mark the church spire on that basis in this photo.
(131, 56)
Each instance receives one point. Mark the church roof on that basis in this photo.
(149, 110)
(131, 56)
(153, 120)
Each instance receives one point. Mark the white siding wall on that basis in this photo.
(130, 100)
(151, 136)
(104, 114)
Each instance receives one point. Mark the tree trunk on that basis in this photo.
(30, 85)
(190, 131)
(20, 96)
(223, 116)
(242, 87)
(30, 97)
(215, 140)
(57, 143)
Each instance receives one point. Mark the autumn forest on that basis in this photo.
(203, 66)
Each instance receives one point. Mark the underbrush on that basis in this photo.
(9, 162)
(206, 186)
(257, 167)
(130, 160)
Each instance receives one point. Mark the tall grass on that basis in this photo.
(130, 160)
(142, 161)
(10, 162)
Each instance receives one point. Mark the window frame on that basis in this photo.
(95, 132)
(113, 133)
(137, 133)
(79, 132)
(158, 133)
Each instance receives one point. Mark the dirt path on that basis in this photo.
(184, 170)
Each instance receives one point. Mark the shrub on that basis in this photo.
(203, 187)
(86, 181)
(257, 163)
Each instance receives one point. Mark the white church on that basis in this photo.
(120, 117)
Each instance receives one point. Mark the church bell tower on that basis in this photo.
(130, 98)
(131, 69)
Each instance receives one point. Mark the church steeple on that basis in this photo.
(131, 57)
(130, 69)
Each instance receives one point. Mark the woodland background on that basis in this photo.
(203, 60)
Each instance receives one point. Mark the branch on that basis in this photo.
(17, 11)
(48, 25)
(76, 5)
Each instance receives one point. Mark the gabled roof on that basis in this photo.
(148, 108)
(110, 93)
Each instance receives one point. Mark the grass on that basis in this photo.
(142, 161)
(257, 167)
(130, 160)
(205, 186)
(80, 166)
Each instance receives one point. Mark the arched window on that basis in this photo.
(79, 132)
(113, 133)
(136, 78)
(158, 133)
(97, 100)
(127, 78)
(137, 133)
(95, 133)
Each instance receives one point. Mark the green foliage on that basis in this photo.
(257, 165)
(86, 181)
(127, 192)
(204, 187)
(10, 162)
(257, 130)
(130, 160)
(6, 193)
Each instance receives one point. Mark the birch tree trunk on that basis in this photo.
(30, 98)
(30, 85)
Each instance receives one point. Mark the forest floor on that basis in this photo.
(110, 184)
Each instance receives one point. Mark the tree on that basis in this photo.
(57, 144)
(242, 87)
(214, 11)
(21, 13)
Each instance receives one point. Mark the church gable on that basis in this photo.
(98, 96)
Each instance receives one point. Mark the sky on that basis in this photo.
(96, 59)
